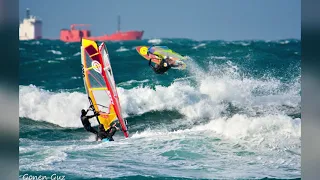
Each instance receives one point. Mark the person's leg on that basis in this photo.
(91, 129)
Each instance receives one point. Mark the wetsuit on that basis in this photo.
(86, 124)
(160, 69)
(102, 132)
(110, 132)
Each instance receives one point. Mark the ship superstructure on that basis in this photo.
(30, 28)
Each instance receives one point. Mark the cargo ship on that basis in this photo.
(30, 28)
(75, 35)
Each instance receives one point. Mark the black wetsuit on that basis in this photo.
(102, 133)
(86, 124)
(160, 69)
(110, 132)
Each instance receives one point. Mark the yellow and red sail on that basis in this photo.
(100, 85)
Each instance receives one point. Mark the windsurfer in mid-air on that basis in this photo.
(85, 120)
(165, 62)
(161, 68)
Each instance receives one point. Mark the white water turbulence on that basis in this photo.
(211, 95)
(231, 126)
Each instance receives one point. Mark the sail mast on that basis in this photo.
(118, 23)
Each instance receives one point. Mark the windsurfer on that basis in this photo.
(164, 65)
(85, 120)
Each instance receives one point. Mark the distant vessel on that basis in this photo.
(75, 35)
(30, 28)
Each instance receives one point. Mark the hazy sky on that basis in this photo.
(195, 19)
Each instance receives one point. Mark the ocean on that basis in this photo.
(233, 113)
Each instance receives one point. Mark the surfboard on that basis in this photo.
(105, 140)
(100, 85)
(161, 51)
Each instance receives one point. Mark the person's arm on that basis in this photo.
(151, 64)
(91, 116)
(90, 108)
(153, 68)
(95, 114)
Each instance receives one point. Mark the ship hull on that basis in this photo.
(77, 35)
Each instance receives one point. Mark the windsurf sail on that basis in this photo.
(165, 51)
(100, 85)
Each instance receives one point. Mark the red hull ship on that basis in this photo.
(75, 35)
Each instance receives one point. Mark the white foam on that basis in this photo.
(212, 95)
(62, 108)
(122, 49)
(36, 42)
(154, 41)
(75, 77)
(203, 101)
(55, 52)
(77, 54)
(128, 83)
(47, 156)
(199, 45)
(284, 42)
(218, 57)
(61, 58)
(55, 156)
(245, 44)
(271, 127)
(51, 62)
(242, 126)
(240, 43)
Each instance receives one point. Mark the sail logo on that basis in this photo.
(96, 66)
(104, 115)
(143, 50)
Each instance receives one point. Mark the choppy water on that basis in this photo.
(234, 113)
